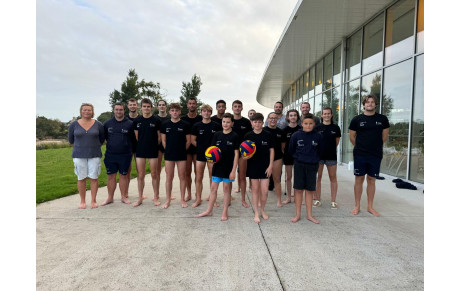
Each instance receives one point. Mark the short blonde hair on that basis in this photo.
(206, 107)
(87, 104)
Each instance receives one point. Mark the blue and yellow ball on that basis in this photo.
(212, 154)
(247, 148)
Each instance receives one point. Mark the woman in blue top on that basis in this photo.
(86, 135)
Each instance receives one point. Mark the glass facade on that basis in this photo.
(385, 58)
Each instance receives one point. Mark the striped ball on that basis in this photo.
(212, 154)
(247, 148)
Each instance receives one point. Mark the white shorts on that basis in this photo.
(85, 168)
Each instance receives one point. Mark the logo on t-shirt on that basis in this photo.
(110, 129)
(152, 124)
(168, 129)
(264, 143)
(243, 127)
(362, 123)
(278, 135)
(378, 123)
(229, 142)
(201, 131)
(300, 143)
(180, 129)
(124, 130)
(213, 131)
(138, 125)
(314, 143)
(218, 143)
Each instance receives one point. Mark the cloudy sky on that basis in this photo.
(85, 49)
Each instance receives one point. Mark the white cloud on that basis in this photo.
(85, 49)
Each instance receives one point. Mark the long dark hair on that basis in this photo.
(332, 116)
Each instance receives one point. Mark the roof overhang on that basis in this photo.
(314, 28)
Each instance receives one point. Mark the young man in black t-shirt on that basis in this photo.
(368, 132)
(201, 138)
(191, 117)
(147, 131)
(260, 164)
(225, 169)
(221, 106)
(175, 136)
(241, 126)
(331, 138)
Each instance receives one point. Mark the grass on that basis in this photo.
(56, 177)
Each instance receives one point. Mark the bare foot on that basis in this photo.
(286, 201)
(139, 202)
(224, 218)
(156, 201)
(312, 219)
(125, 200)
(355, 211)
(232, 198)
(206, 213)
(188, 198)
(237, 191)
(279, 204)
(93, 205)
(166, 205)
(295, 219)
(82, 206)
(373, 212)
(216, 204)
(197, 203)
(264, 215)
(173, 198)
(256, 219)
(108, 201)
(144, 197)
(245, 204)
(184, 204)
(207, 198)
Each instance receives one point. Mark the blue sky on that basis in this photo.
(84, 49)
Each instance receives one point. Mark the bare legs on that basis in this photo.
(169, 168)
(298, 205)
(276, 175)
(259, 191)
(191, 160)
(332, 172)
(213, 197)
(112, 185)
(288, 169)
(81, 185)
(140, 162)
(129, 172)
(242, 165)
(359, 180)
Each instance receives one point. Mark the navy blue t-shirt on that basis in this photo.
(305, 147)
(119, 136)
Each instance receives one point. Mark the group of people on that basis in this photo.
(302, 142)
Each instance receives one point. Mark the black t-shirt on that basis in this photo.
(163, 119)
(227, 143)
(192, 121)
(204, 133)
(369, 134)
(242, 126)
(119, 136)
(176, 139)
(278, 137)
(330, 133)
(134, 142)
(260, 161)
(216, 119)
(147, 136)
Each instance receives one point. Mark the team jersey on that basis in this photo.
(330, 134)
(119, 136)
(204, 133)
(259, 162)
(241, 126)
(227, 143)
(369, 130)
(147, 136)
(278, 137)
(305, 146)
(216, 119)
(192, 149)
(176, 139)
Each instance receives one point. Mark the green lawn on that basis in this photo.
(56, 177)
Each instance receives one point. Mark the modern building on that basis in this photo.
(333, 52)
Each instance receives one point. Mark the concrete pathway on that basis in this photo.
(119, 247)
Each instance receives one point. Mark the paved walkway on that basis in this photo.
(118, 247)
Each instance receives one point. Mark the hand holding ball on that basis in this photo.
(247, 148)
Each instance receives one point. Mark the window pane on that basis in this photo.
(319, 77)
(420, 26)
(297, 96)
(399, 40)
(337, 61)
(371, 84)
(396, 106)
(311, 87)
(335, 105)
(353, 68)
(372, 45)
(307, 82)
(318, 105)
(416, 171)
(327, 83)
(350, 110)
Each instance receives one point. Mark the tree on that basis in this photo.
(50, 128)
(190, 89)
(104, 116)
(133, 88)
